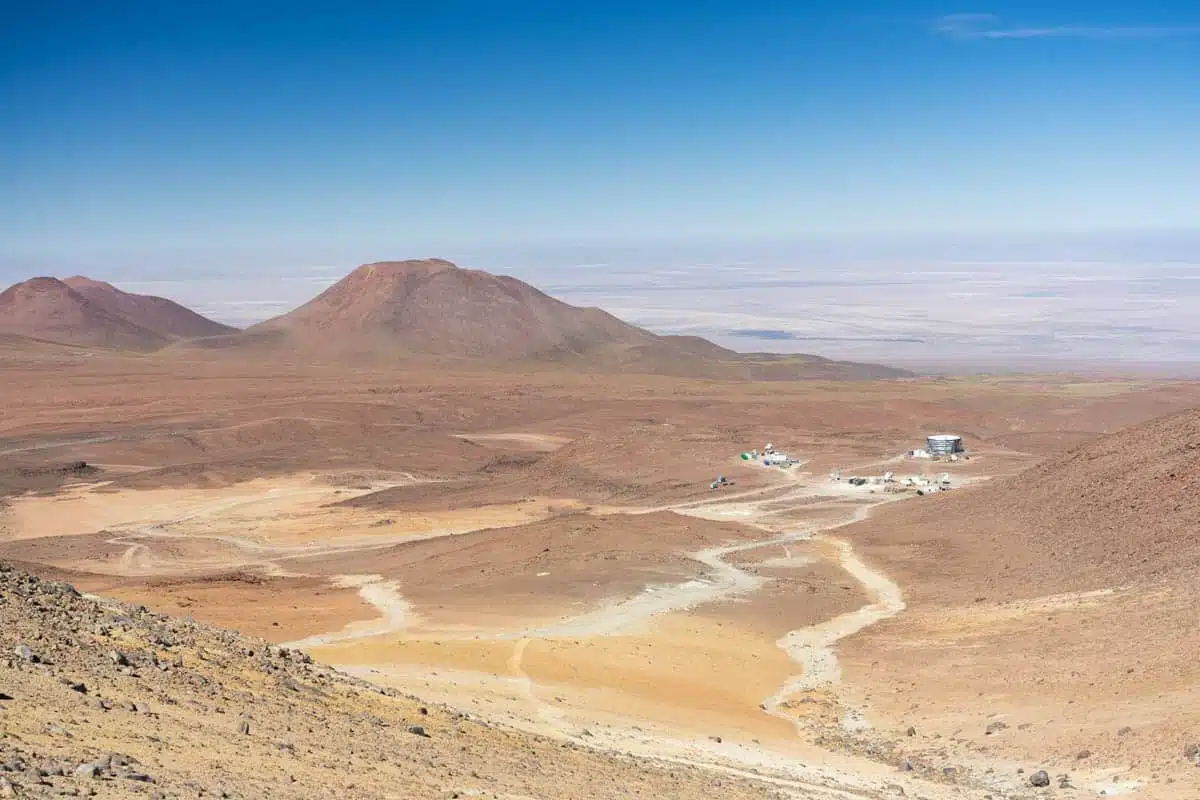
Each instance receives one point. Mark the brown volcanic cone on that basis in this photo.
(158, 314)
(433, 308)
(50, 310)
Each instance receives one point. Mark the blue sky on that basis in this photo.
(349, 131)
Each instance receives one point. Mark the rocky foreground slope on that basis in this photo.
(101, 699)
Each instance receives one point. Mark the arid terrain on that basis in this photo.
(538, 556)
(602, 571)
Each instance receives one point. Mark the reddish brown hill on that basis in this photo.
(165, 317)
(434, 308)
(50, 310)
(1122, 508)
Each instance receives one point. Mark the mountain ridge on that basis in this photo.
(81, 311)
(434, 308)
(423, 309)
(159, 314)
(48, 309)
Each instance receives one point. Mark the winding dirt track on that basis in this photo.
(811, 648)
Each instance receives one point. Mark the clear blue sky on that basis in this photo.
(398, 128)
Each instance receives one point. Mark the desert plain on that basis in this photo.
(540, 548)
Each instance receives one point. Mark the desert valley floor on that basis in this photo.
(542, 550)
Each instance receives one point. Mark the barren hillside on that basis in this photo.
(84, 312)
(109, 700)
(165, 317)
(50, 310)
(1050, 613)
(1122, 508)
(432, 308)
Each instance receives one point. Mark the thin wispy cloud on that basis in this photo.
(989, 26)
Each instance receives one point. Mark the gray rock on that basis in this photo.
(23, 652)
(6, 788)
(1039, 778)
(87, 771)
(417, 730)
(911, 731)
(141, 708)
(118, 658)
(244, 727)
(995, 727)
(1192, 751)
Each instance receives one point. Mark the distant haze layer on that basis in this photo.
(996, 313)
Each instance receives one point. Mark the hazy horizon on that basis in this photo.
(1020, 304)
(1016, 182)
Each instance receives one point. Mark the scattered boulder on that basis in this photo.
(1039, 778)
(244, 727)
(24, 653)
(995, 727)
(417, 730)
(118, 658)
(87, 771)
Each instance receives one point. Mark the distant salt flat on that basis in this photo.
(994, 312)
(901, 308)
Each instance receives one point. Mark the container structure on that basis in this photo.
(943, 444)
